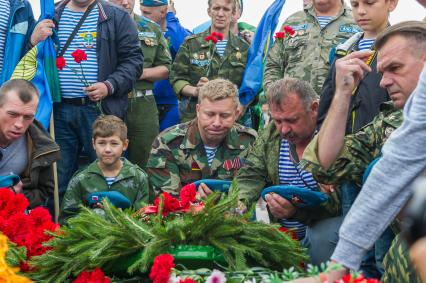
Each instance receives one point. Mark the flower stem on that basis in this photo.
(86, 84)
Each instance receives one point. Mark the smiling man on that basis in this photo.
(26, 149)
(195, 64)
(211, 146)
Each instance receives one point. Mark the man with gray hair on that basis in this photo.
(333, 158)
(274, 160)
(26, 149)
(211, 146)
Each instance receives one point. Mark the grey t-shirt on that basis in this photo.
(15, 157)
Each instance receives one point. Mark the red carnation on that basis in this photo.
(79, 55)
(170, 204)
(289, 30)
(60, 63)
(279, 35)
(187, 195)
(211, 38)
(160, 270)
(347, 278)
(218, 35)
(95, 276)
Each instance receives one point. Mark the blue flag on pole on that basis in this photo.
(253, 75)
(39, 67)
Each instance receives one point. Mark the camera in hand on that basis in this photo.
(414, 223)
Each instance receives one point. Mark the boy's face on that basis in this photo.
(109, 149)
(372, 15)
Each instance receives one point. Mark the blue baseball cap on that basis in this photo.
(154, 3)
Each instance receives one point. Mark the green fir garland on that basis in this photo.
(90, 240)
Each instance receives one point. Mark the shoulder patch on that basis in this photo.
(246, 130)
(192, 36)
(173, 133)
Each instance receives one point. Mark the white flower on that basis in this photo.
(174, 278)
(216, 277)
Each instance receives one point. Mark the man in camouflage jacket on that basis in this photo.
(359, 149)
(196, 63)
(178, 156)
(308, 53)
(333, 158)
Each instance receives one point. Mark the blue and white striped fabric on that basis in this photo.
(365, 44)
(290, 174)
(324, 20)
(211, 152)
(4, 25)
(85, 39)
(110, 180)
(221, 46)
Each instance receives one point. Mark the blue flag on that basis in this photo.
(253, 74)
(39, 67)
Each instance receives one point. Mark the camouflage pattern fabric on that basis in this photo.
(191, 63)
(142, 114)
(306, 55)
(358, 151)
(261, 170)
(397, 263)
(154, 46)
(178, 157)
(132, 182)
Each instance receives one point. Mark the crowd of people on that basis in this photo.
(159, 108)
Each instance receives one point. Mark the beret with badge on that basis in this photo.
(154, 3)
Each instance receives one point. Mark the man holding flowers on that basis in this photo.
(99, 61)
(215, 53)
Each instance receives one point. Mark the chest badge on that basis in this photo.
(195, 167)
(88, 39)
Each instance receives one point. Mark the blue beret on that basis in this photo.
(154, 3)
(115, 198)
(215, 185)
(9, 180)
(298, 196)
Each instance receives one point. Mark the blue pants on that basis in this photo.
(372, 264)
(170, 117)
(321, 239)
(73, 132)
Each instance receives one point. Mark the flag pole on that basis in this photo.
(55, 173)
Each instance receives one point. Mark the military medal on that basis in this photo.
(227, 164)
(146, 40)
(238, 55)
(195, 167)
(301, 32)
(236, 164)
(195, 55)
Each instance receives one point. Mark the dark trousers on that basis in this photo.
(73, 132)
